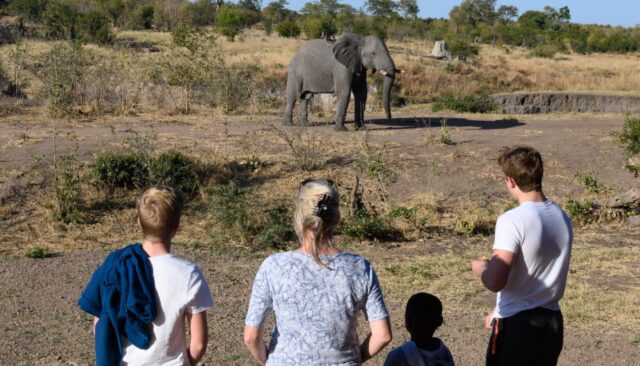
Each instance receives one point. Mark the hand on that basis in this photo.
(487, 321)
(478, 266)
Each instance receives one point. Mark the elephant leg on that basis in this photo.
(304, 103)
(360, 99)
(291, 95)
(342, 103)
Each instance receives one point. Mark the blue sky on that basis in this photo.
(613, 12)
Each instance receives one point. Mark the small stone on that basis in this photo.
(634, 220)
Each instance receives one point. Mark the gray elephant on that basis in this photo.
(340, 68)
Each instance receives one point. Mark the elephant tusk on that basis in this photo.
(399, 71)
(383, 72)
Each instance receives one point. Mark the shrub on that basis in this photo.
(482, 103)
(590, 183)
(36, 253)
(269, 225)
(111, 170)
(544, 51)
(460, 48)
(288, 28)
(94, 27)
(581, 212)
(629, 139)
(143, 17)
(66, 207)
(368, 224)
(238, 87)
(231, 20)
(175, 169)
(318, 27)
(305, 146)
(64, 68)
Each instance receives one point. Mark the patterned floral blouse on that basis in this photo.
(316, 308)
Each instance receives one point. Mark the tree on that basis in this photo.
(409, 8)
(232, 19)
(507, 13)
(250, 4)
(382, 8)
(474, 12)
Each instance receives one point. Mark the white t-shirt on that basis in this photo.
(180, 288)
(540, 235)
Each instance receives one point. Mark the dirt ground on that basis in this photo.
(41, 325)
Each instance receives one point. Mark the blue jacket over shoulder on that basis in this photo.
(121, 293)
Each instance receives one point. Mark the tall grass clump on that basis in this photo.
(66, 206)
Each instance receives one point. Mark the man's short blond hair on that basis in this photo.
(159, 210)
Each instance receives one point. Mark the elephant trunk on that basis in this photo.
(386, 93)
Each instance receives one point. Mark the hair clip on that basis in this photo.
(322, 208)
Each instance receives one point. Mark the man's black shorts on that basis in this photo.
(531, 337)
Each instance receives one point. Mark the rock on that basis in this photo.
(629, 199)
(634, 220)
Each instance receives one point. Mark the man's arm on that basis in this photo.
(199, 337)
(380, 336)
(495, 272)
(253, 338)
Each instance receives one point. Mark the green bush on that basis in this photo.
(36, 253)
(629, 139)
(177, 170)
(460, 48)
(112, 170)
(94, 27)
(231, 20)
(581, 212)
(591, 184)
(367, 224)
(67, 174)
(267, 226)
(482, 103)
(317, 27)
(65, 66)
(544, 51)
(288, 28)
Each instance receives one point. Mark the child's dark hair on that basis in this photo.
(524, 165)
(423, 314)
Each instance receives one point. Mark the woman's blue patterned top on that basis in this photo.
(316, 308)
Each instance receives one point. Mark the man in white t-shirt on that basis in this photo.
(528, 268)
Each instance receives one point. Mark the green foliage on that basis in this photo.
(67, 175)
(581, 212)
(201, 13)
(370, 225)
(29, 9)
(472, 104)
(267, 226)
(590, 183)
(544, 51)
(460, 48)
(143, 17)
(175, 169)
(112, 170)
(318, 27)
(289, 29)
(382, 8)
(36, 253)
(629, 139)
(182, 36)
(64, 68)
(231, 20)
(94, 27)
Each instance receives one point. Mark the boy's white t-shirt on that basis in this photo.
(180, 288)
(540, 235)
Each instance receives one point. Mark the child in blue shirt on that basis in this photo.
(423, 316)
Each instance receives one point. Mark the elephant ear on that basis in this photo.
(347, 51)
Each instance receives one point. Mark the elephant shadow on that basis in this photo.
(431, 121)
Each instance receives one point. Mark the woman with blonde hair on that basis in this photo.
(316, 292)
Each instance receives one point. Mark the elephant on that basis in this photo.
(340, 68)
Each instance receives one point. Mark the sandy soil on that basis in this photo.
(40, 324)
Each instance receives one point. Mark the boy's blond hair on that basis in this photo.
(159, 210)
